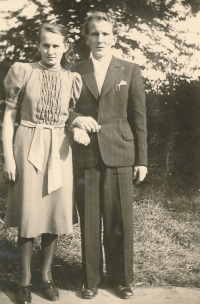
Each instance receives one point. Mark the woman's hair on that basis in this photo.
(53, 28)
(100, 16)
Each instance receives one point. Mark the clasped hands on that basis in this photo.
(84, 124)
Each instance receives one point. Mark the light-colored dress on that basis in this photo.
(41, 200)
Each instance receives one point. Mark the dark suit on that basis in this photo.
(103, 169)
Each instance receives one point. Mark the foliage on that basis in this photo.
(148, 34)
(173, 137)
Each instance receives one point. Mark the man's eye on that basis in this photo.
(56, 46)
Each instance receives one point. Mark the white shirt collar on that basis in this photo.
(100, 70)
(106, 61)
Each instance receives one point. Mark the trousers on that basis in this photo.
(104, 198)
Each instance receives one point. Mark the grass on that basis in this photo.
(166, 244)
(166, 239)
(167, 247)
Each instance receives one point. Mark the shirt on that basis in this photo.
(100, 70)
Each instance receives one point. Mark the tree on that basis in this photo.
(147, 34)
(154, 34)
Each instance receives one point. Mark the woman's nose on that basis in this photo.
(50, 50)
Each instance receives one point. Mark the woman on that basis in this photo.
(39, 168)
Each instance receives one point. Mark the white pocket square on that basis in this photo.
(122, 83)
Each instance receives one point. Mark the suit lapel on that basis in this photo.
(114, 71)
(90, 79)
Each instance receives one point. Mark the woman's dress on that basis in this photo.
(41, 200)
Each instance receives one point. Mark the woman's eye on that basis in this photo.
(94, 34)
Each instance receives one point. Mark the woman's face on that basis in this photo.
(51, 48)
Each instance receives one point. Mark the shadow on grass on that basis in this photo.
(66, 275)
(174, 195)
(9, 256)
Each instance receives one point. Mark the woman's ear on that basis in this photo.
(38, 46)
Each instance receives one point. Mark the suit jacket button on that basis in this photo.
(97, 110)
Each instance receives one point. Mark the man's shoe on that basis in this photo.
(89, 293)
(24, 294)
(50, 291)
(123, 292)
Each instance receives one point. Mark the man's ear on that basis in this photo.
(86, 39)
(114, 40)
(38, 48)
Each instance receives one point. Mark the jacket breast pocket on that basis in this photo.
(122, 95)
(127, 136)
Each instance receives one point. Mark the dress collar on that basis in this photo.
(50, 69)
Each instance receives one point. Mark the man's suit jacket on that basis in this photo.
(121, 112)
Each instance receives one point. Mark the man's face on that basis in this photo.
(100, 38)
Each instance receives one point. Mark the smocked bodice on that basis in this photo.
(49, 105)
(42, 95)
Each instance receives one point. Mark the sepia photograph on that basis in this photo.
(99, 151)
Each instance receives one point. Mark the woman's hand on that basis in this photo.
(9, 170)
(81, 137)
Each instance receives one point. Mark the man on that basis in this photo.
(112, 103)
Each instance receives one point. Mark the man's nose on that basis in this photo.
(100, 38)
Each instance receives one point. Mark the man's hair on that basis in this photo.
(53, 28)
(100, 16)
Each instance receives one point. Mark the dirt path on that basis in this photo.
(173, 295)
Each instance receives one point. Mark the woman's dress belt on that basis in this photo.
(36, 153)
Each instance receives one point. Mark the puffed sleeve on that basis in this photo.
(76, 90)
(14, 83)
(75, 94)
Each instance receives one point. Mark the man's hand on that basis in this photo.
(139, 173)
(87, 123)
(81, 137)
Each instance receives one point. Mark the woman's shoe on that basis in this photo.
(50, 291)
(24, 294)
